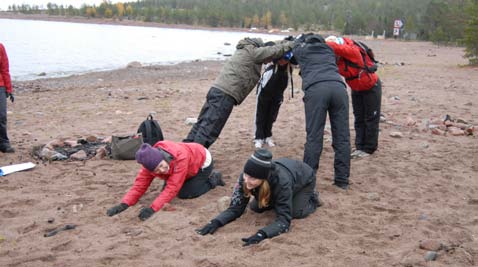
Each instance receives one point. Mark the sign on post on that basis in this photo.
(397, 25)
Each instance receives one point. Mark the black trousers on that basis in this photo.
(212, 118)
(304, 202)
(267, 110)
(197, 185)
(3, 116)
(319, 99)
(366, 108)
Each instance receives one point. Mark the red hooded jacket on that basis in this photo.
(188, 158)
(4, 70)
(351, 52)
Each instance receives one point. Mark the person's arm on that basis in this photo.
(4, 69)
(141, 184)
(235, 210)
(283, 209)
(264, 53)
(347, 51)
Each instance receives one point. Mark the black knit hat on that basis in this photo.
(259, 164)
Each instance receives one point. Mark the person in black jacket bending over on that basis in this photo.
(285, 185)
(324, 92)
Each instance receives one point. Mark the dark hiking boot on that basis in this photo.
(6, 148)
(215, 179)
(316, 200)
(342, 185)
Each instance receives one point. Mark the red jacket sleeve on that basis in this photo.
(347, 51)
(173, 185)
(141, 184)
(4, 70)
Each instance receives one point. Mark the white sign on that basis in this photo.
(396, 31)
(397, 23)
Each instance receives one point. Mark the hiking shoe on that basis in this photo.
(359, 154)
(6, 148)
(215, 179)
(258, 143)
(342, 185)
(269, 142)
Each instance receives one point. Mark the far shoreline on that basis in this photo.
(126, 22)
(98, 21)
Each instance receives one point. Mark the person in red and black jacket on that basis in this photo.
(187, 169)
(6, 91)
(366, 94)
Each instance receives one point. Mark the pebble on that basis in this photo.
(431, 256)
(396, 134)
(51, 220)
(223, 203)
(373, 196)
(430, 245)
(423, 217)
(190, 121)
(424, 145)
(80, 155)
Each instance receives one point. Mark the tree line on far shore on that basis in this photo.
(448, 22)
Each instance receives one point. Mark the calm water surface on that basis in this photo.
(63, 48)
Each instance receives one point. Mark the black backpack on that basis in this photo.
(150, 131)
(368, 57)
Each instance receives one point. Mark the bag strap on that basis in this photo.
(291, 81)
(148, 130)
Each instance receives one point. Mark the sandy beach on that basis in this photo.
(418, 193)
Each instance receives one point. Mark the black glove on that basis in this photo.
(10, 95)
(117, 209)
(145, 213)
(299, 38)
(209, 228)
(289, 38)
(255, 239)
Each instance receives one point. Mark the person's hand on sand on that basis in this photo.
(117, 209)
(209, 228)
(255, 239)
(145, 213)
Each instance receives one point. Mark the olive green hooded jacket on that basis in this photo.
(242, 71)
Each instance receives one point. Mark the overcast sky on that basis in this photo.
(76, 3)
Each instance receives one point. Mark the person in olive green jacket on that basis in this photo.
(236, 80)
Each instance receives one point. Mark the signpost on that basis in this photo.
(397, 25)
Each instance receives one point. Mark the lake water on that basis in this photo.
(62, 48)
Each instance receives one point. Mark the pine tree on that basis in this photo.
(471, 34)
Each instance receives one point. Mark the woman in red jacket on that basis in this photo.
(5, 92)
(186, 168)
(366, 94)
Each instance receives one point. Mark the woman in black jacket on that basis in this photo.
(285, 185)
(325, 93)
